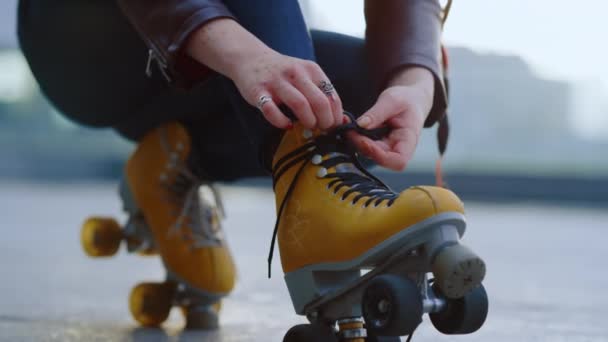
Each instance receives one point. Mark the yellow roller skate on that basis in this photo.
(174, 213)
(358, 257)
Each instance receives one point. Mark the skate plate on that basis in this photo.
(333, 293)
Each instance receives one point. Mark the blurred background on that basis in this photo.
(528, 110)
(527, 153)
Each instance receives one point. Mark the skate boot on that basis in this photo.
(174, 213)
(357, 256)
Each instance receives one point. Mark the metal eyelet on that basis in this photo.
(307, 134)
(322, 172)
(317, 159)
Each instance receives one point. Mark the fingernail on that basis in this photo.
(289, 126)
(364, 121)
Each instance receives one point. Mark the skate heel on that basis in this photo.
(457, 270)
(306, 285)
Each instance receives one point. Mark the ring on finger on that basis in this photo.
(327, 88)
(264, 99)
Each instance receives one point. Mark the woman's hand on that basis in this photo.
(262, 73)
(403, 107)
(292, 82)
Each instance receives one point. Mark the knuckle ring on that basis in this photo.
(264, 99)
(327, 88)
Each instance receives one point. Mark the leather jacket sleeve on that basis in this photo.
(165, 25)
(403, 33)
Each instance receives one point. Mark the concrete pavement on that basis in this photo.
(547, 272)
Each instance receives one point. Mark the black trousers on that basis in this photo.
(90, 64)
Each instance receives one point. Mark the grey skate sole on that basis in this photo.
(335, 289)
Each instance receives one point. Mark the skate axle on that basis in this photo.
(432, 305)
(352, 330)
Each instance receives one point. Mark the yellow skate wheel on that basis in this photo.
(100, 237)
(150, 303)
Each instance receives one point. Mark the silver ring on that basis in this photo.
(327, 88)
(264, 99)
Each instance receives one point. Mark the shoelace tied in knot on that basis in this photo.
(349, 172)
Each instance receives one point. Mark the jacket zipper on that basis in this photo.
(154, 53)
(161, 63)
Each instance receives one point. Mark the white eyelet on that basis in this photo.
(179, 146)
(307, 134)
(322, 172)
(163, 177)
(317, 159)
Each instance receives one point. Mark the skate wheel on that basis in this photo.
(464, 315)
(202, 317)
(392, 306)
(374, 338)
(458, 270)
(100, 237)
(310, 332)
(150, 303)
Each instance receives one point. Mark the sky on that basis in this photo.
(561, 39)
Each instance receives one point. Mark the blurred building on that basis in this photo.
(504, 119)
(8, 23)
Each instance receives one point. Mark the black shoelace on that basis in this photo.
(340, 152)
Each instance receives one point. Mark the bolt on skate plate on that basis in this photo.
(389, 288)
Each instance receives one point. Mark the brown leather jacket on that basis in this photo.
(399, 33)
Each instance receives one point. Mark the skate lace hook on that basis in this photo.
(307, 152)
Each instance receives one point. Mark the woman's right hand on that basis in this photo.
(257, 70)
(292, 82)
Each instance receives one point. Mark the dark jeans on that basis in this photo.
(90, 64)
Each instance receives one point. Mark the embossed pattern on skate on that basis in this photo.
(544, 272)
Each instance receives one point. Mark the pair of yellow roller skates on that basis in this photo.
(361, 262)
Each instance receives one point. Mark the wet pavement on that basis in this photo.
(547, 272)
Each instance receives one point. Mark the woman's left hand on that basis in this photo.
(403, 107)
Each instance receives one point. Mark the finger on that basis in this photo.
(391, 159)
(273, 114)
(335, 102)
(362, 143)
(384, 109)
(336, 108)
(297, 102)
(318, 101)
(404, 141)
